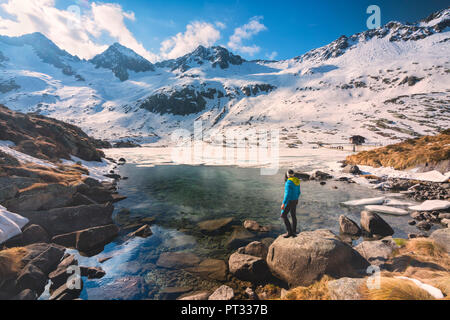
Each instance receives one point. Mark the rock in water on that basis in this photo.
(214, 226)
(223, 293)
(211, 269)
(302, 260)
(375, 225)
(248, 268)
(348, 226)
(351, 170)
(177, 260)
(196, 296)
(240, 237)
(252, 225)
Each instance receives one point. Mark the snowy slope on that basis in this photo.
(385, 84)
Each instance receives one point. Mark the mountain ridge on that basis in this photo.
(388, 90)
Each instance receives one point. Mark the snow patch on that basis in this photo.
(363, 202)
(432, 205)
(435, 292)
(386, 210)
(11, 224)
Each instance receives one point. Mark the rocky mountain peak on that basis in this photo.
(216, 56)
(120, 59)
(396, 31)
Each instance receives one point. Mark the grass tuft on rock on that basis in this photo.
(10, 262)
(316, 291)
(396, 289)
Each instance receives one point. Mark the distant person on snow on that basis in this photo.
(292, 193)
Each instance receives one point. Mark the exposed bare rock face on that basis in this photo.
(303, 260)
(47, 138)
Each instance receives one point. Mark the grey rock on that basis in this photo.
(223, 293)
(375, 225)
(256, 249)
(177, 260)
(346, 289)
(303, 260)
(442, 237)
(348, 226)
(376, 252)
(248, 268)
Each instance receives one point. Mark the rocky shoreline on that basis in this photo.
(64, 206)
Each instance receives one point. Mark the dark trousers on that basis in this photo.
(292, 209)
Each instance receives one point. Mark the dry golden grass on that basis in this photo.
(426, 247)
(10, 262)
(421, 259)
(52, 175)
(407, 154)
(396, 289)
(316, 291)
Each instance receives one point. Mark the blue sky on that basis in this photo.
(278, 29)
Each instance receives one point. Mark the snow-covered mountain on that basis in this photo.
(385, 84)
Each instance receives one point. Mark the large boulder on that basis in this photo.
(377, 252)
(70, 219)
(348, 226)
(302, 260)
(41, 197)
(93, 240)
(89, 241)
(375, 225)
(442, 237)
(248, 268)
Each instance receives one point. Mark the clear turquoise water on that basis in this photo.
(178, 197)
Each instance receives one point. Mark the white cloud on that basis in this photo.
(246, 32)
(220, 25)
(197, 33)
(272, 56)
(72, 29)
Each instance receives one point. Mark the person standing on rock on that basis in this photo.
(292, 193)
